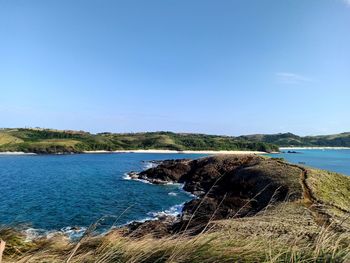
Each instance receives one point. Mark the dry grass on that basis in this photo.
(62, 142)
(331, 188)
(8, 139)
(282, 233)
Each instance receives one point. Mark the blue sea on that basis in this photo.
(67, 193)
(48, 193)
(331, 160)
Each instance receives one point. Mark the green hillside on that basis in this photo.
(289, 139)
(56, 141)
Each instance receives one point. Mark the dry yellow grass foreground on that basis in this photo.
(314, 228)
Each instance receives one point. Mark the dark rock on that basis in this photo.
(227, 186)
(157, 228)
(167, 171)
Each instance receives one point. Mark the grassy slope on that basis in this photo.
(289, 139)
(53, 141)
(331, 188)
(283, 232)
(6, 138)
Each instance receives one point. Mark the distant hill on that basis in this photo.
(289, 140)
(56, 141)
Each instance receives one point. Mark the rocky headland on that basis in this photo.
(229, 187)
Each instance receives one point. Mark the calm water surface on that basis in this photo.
(52, 192)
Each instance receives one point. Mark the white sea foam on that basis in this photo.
(142, 181)
(172, 194)
(138, 221)
(126, 176)
(149, 165)
(174, 183)
(73, 233)
(181, 188)
(152, 216)
(172, 211)
(32, 233)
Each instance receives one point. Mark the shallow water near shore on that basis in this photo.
(68, 193)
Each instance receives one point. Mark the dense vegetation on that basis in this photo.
(56, 141)
(289, 139)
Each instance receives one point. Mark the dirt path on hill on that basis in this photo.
(316, 206)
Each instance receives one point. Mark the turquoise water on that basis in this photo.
(332, 160)
(57, 192)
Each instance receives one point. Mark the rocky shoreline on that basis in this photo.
(225, 186)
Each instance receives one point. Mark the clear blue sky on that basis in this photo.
(221, 67)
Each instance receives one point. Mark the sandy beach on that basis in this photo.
(16, 153)
(172, 151)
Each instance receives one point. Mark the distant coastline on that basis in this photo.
(314, 148)
(50, 141)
